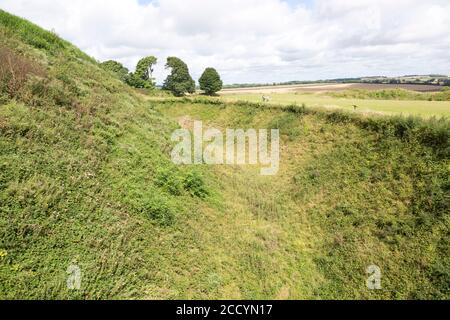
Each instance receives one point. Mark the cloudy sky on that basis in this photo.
(257, 40)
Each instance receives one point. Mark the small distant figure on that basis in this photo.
(266, 98)
(355, 107)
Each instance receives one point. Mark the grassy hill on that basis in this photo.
(86, 179)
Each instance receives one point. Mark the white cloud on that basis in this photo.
(257, 40)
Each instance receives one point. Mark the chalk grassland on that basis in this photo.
(86, 178)
(345, 198)
(422, 108)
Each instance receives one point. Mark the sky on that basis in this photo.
(257, 41)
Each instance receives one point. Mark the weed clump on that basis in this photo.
(15, 71)
(169, 181)
(159, 210)
(194, 184)
(40, 92)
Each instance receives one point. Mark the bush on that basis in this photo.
(194, 184)
(168, 180)
(159, 210)
(116, 68)
(14, 72)
(134, 81)
(40, 92)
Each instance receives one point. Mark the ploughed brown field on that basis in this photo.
(333, 87)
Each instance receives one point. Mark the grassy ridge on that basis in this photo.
(37, 38)
(86, 179)
(433, 132)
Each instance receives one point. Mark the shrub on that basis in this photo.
(14, 72)
(134, 81)
(293, 108)
(159, 210)
(117, 68)
(194, 184)
(40, 92)
(168, 180)
(339, 117)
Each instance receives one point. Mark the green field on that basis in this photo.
(406, 107)
(87, 179)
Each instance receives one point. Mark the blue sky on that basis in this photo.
(257, 40)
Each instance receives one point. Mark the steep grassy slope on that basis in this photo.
(82, 163)
(86, 179)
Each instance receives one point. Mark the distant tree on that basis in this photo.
(144, 68)
(179, 81)
(210, 81)
(117, 68)
(142, 77)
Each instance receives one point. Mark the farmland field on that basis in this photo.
(326, 87)
(405, 107)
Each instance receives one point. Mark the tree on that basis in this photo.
(179, 81)
(142, 77)
(117, 68)
(144, 68)
(210, 81)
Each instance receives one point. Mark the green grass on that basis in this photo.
(393, 94)
(348, 195)
(86, 179)
(406, 107)
(37, 37)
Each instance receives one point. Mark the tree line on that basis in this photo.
(179, 81)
